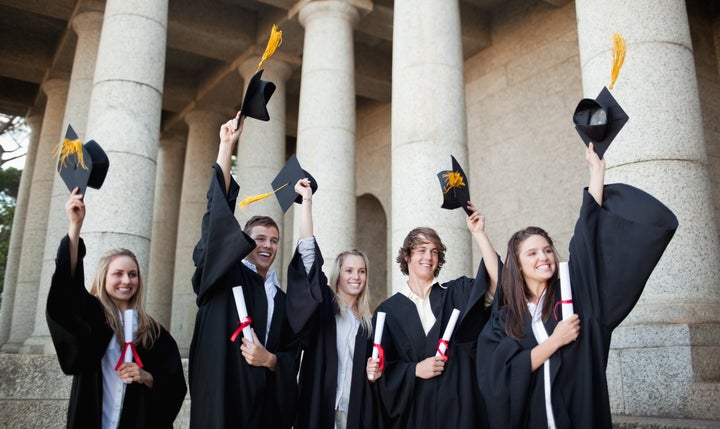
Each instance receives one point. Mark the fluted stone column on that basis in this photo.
(202, 148)
(428, 125)
(669, 342)
(43, 174)
(159, 281)
(124, 118)
(87, 25)
(326, 118)
(34, 121)
(261, 150)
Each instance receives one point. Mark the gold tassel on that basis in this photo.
(618, 57)
(67, 148)
(274, 42)
(454, 180)
(254, 198)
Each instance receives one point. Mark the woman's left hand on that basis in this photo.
(130, 372)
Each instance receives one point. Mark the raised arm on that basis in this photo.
(597, 174)
(75, 208)
(476, 225)
(228, 137)
(306, 223)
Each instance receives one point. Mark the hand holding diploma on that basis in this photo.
(130, 371)
(376, 363)
(443, 342)
(566, 301)
(244, 320)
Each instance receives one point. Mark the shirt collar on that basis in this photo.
(271, 281)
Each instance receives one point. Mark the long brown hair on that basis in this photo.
(363, 300)
(515, 291)
(148, 329)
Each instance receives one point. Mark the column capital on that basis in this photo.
(275, 69)
(307, 10)
(87, 21)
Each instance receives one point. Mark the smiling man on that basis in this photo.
(236, 382)
(421, 388)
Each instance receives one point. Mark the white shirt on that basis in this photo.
(540, 336)
(271, 286)
(346, 329)
(427, 318)
(113, 386)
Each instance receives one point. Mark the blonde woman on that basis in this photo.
(333, 322)
(87, 330)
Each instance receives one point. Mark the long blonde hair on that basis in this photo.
(363, 300)
(148, 329)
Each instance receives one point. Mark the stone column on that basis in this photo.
(159, 280)
(124, 118)
(326, 118)
(669, 342)
(261, 150)
(428, 125)
(87, 25)
(33, 238)
(18, 228)
(202, 147)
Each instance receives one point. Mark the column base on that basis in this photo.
(38, 345)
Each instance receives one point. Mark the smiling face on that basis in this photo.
(352, 279)
(423, 260)
(267, 239)
(537, 259)
(121, 280)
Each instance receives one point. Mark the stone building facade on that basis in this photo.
(373, 96)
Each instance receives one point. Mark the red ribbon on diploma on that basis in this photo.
(562, 301)
(447, 347)
(381, 356)
(122, 356)
(241, 325)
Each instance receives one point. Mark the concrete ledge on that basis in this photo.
(633, 422)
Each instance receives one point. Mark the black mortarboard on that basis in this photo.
(454, 185)
(284, 183)
(599, 120)
(257, 95)
(81, 165)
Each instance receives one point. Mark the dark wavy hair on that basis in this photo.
(416, 237)
(515, 290)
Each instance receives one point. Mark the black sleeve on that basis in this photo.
(222, 243)
(306, 293)
(75, 318)
(169, 388)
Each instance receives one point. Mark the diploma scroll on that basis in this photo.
(443, 342)
(565, 291)
(244, 319)
(377, 342)
(128, 352)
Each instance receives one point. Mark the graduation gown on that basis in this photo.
(225, 390)
(77, 325)
(312, 309)
(452, 399)
(613, 251)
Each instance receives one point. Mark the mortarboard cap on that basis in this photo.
(81, 165)
(256, 98)
(454, 186)
(599, 121)
(284, 183)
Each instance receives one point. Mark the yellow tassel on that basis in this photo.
(67, 148)
(453, 180)
(618, 57)
(254, 198)
(274, 42)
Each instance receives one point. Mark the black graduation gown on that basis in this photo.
(311, 310)
(81, 336)
(452, 399)
(613, 251)
(225, 390)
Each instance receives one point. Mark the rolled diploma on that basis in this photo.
(565, 290)
(242, 311)
(379, 326)
(128, 331)
(448, 331)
